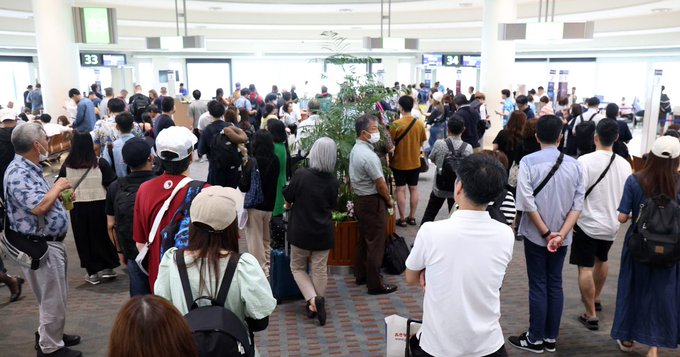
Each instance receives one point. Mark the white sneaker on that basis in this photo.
(108, 274)
(93, 279)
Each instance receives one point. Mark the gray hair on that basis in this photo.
(363, 122)
(323, 155)
(25, 135)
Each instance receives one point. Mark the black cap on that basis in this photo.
(135, 152)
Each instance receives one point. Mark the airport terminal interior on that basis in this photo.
(308, 146)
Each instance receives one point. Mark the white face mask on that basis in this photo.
(45, 156)
(375, 137)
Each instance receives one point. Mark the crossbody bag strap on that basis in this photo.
(591, 117)
(396, 142)
(164, 208)
(602, 175)
(550, 174)
(228, 277)
(184, 277)
(80, 180)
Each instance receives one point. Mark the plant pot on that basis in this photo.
(346, 236)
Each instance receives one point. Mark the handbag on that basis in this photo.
(424, 166)
(512, 174)
(142, 258)
(396, 252)
(26, 250)
(398, 332)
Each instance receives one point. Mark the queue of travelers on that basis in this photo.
(551, 181)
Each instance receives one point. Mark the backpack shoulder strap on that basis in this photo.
(591, 117)
(228, 277)
(461, 148)
(550, 174)
(184, 277)
(602, 175)
(109, 148)
(157, 221)
(449, 144)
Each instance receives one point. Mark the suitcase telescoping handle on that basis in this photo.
(407, 350)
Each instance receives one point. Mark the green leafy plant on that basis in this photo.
(358, 96)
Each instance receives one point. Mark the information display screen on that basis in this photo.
(102, 59)
(113, 60)
(432, 59)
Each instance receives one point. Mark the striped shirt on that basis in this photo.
(507, 208)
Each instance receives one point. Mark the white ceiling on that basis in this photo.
(294, 26)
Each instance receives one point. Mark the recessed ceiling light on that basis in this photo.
(345, 10)
(356, 28)
(661, 9)
(465, 4)
(214, 8)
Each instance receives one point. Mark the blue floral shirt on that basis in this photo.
(25, 188)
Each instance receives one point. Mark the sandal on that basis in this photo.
(623, 347)
(411, 221)
(401, 222)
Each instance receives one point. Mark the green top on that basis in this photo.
(280, 152)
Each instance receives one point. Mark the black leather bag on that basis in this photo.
(27, 250)
(396, 252)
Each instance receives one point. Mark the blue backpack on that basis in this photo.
(251, 184)
(176, 233)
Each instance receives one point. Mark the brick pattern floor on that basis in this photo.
(355, 323)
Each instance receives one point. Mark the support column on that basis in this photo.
(58, 59)
(498, 61)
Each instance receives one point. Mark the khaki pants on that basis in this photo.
(50, 288)
(318, 259)
(257, 237)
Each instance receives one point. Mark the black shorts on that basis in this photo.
(585, 249)
(406, 177)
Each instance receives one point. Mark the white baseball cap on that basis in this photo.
(666, 147)
(177, 140)
(7, 114)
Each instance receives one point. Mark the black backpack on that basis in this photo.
(446, 177)
(224, 154)
(124, 207)
(216, 329)
(139, 105)
(656, 235)
(495, 209)
(584, 132)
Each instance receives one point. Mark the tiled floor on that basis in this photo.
(355, 323)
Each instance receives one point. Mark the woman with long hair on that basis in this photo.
(648, 297)
(213, 247)
(148, 326)
(257, 227)
(509, 139)
(312, 195)
(569, 140)
(96, 251)
(625, 136)
(436, 119)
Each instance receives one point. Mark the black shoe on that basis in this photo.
(320, 303)
(359, 281)
(16, 289)
(310, 314)
(69, 340)
(592, 325)
(62, 352)
(384, 289)
(550, 346)
(522, 342)
(598, 306)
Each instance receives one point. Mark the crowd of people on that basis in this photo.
(557, 176)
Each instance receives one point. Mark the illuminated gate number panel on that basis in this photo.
(102, 59)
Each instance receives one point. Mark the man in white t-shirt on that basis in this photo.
(593, 113)
(461, 263)
(597, 226)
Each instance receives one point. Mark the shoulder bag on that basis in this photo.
(611, 161)
(550, 174)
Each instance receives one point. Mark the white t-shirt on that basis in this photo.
(591, 112)
(465, 258)
(599, 217)
(204, 120)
